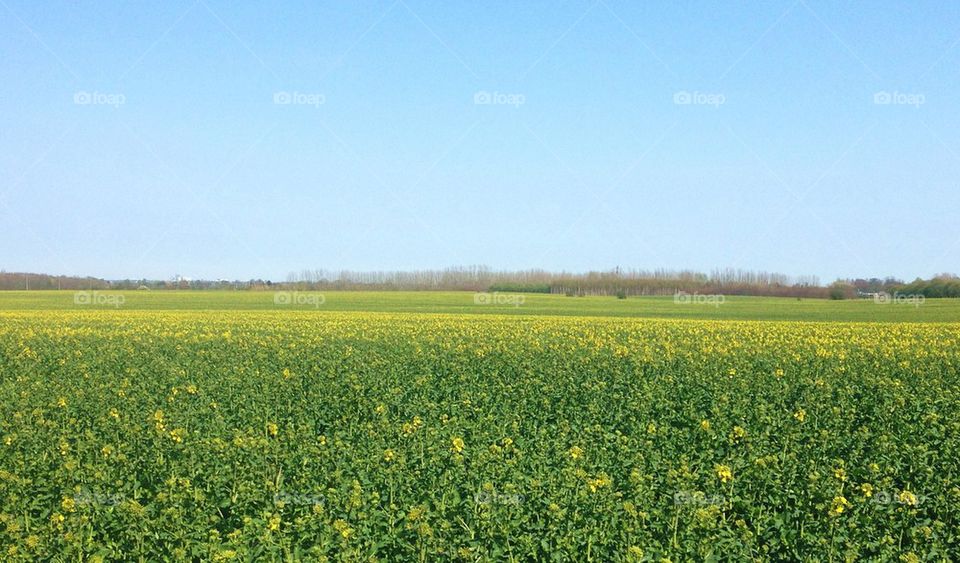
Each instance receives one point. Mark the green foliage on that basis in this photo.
(293, 435)
(520, 287)
(840, 291)
(943, 286)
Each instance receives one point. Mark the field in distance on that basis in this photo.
(459, 302)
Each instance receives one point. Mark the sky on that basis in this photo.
(250, 140)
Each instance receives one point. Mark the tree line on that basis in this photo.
(22, 280)
(619, 282)
(940, 285)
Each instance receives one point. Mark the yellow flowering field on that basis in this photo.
(259, 435)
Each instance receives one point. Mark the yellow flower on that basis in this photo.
(838, 505)
(840, 474)
(415, 513)
(192, 389)
(738, 433)
(867, 490)
(61, 402)
(602, 480)
(388, 455)
(272, 428)
(705, 425)
(115, 414)
(68, 504)
(724, 473)
(106, 451)
(411, 427)
(800, 415)
(575, 452)
(159, 422)
(908, 498)
(779, 372)
(274, 523)
(177, 435)
(457, 445)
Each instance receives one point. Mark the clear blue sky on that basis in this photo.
(150, 139)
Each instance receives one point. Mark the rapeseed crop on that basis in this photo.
(374, 436)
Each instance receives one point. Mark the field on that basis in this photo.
(731, 308)
(227, 426)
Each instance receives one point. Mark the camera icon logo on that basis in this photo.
(882, 298)
(883, 98)
(82, 98)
